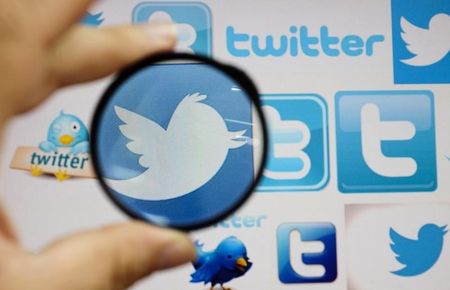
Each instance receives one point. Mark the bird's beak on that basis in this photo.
(241, 263)
(444, 229)
(66, 139)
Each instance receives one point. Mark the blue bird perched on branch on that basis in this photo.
(227, 262)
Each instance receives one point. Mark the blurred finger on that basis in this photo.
(60, 15)
(87, 54)
(6, 229)
(116, 257)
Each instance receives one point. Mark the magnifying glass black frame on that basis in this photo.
(233, 73)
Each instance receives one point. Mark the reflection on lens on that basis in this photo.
(179, 144)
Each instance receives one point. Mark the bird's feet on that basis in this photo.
(61, 175)
(36, 170)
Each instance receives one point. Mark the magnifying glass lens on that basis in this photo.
(179, 141)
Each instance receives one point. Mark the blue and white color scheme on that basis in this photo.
(297, 264)
(385, 141)
(66, 131)
(93, 19)
(225, 263)
(193, 21)
(418, 255)
(403, 246)
(421, 41)
(300, 41)
(166, 172)
(298, 149)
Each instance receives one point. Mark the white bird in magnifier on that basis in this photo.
(428, 45)
(180, 159)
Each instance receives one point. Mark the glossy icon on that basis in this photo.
(179, 140)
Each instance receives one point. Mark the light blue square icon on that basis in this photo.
(385, 141)
(298, 149)
(299, 264)
(421, 41)
(193, 21)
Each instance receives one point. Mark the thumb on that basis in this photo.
(117, 256)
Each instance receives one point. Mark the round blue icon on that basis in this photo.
(179, 143)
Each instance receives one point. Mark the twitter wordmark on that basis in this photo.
(418, 255)
(421, 41)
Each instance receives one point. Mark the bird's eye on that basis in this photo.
(75, 127)
(229, 256)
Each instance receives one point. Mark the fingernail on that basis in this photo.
(177, 252)
(162, 31)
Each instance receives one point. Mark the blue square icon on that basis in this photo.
(297, 264)
(193, 21)
(385, 141)
(421, 41)
(298, 149)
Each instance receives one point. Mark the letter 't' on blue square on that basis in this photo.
(421, 41)
(294, 261)
(193, 21)
(385, 141)
(298, 149)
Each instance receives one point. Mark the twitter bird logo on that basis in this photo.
(427, 45)
(93, 19)
(196, 138)
(227, 262)
(418, 256)
(66, 131)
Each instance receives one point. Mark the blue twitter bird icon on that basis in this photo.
(66, 131)
(93, 19)
(418, 256)
(227, 262)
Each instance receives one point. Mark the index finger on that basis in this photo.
(59, 15)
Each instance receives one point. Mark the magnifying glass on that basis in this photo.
(179, 140)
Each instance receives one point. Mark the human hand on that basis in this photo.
(107, 259)
(42, 50)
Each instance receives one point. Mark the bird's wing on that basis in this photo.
(202, 256)
(405, 249)
(206, 272)
(143, 133)
(416, 38)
